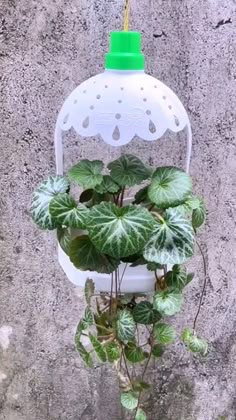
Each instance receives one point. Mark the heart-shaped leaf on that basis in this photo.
(107, 185)
(67, 212)
(119, 231)
(172, 241)
(190, 204)
(42, 197)
(125, 326)
(164, 333)
(85, 256)
(98, 348)
(144, 313)
(129, 400)
(133, 353)
(167, 302)
(87, 173)
(113, 351)
(128, 170)
(177, 277)
(169, 187)
(199, 214)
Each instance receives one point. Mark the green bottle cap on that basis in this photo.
(125, 51)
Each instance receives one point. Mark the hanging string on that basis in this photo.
(126, 16)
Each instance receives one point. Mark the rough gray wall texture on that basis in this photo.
(47, 49)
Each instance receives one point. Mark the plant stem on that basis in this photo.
(122, 196)
(126, 367)
(204, 286)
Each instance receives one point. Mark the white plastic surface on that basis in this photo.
(119, 105)
(135, 279)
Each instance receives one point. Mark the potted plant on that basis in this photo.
(128, 253)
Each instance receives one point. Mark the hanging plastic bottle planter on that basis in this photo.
(117, 105)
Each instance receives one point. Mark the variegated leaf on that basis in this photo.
(177, 277)
(42, 197)
(172, 241)
(107, 185)
(164, 333)
(128, 170)
(169, 187)
(167, 302)
(67, 212)
(117, 231)
(144, 313)
(125, 326)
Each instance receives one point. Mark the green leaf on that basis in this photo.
(177, 278)
(117, 231)
(142, 196)
(140, 415)
(128, 170)
(87, 173)
(89, 290)
(190, 277)
(113, 352)
(157, 350)
(84, 354)
(152, 266)
(172, 241)
(129, 400)
(199, 215)
(164, 333)
(64, 238)
(144, 313)
(169, 187)
(168, 302)
(133, 353)
(125, 326)
(42, 197)
(139, 385)
(107, 185)
(85, 256)
(190, 204)
(98, 348)
(67, 212)
(194, 342)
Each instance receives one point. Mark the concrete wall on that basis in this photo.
(47, 49)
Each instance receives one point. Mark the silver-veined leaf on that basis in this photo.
(42, 197)
(67, 212)
(168, 302)
(98, 348)
(88, 318)
(190, 204)
(125, 326)
(128, 170)
(85, 256)
(113, 351)
(172, 241)
(169, 187)
(129, 400)
(107, 185)
(133, 353)
(158, 350)
(89, 290)
(177, 277)
(64, 237)
(119, 231)
(164, 333)
(199, 215)
(84, 354)
(140, 415)
(144, 313)
(87, 173)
